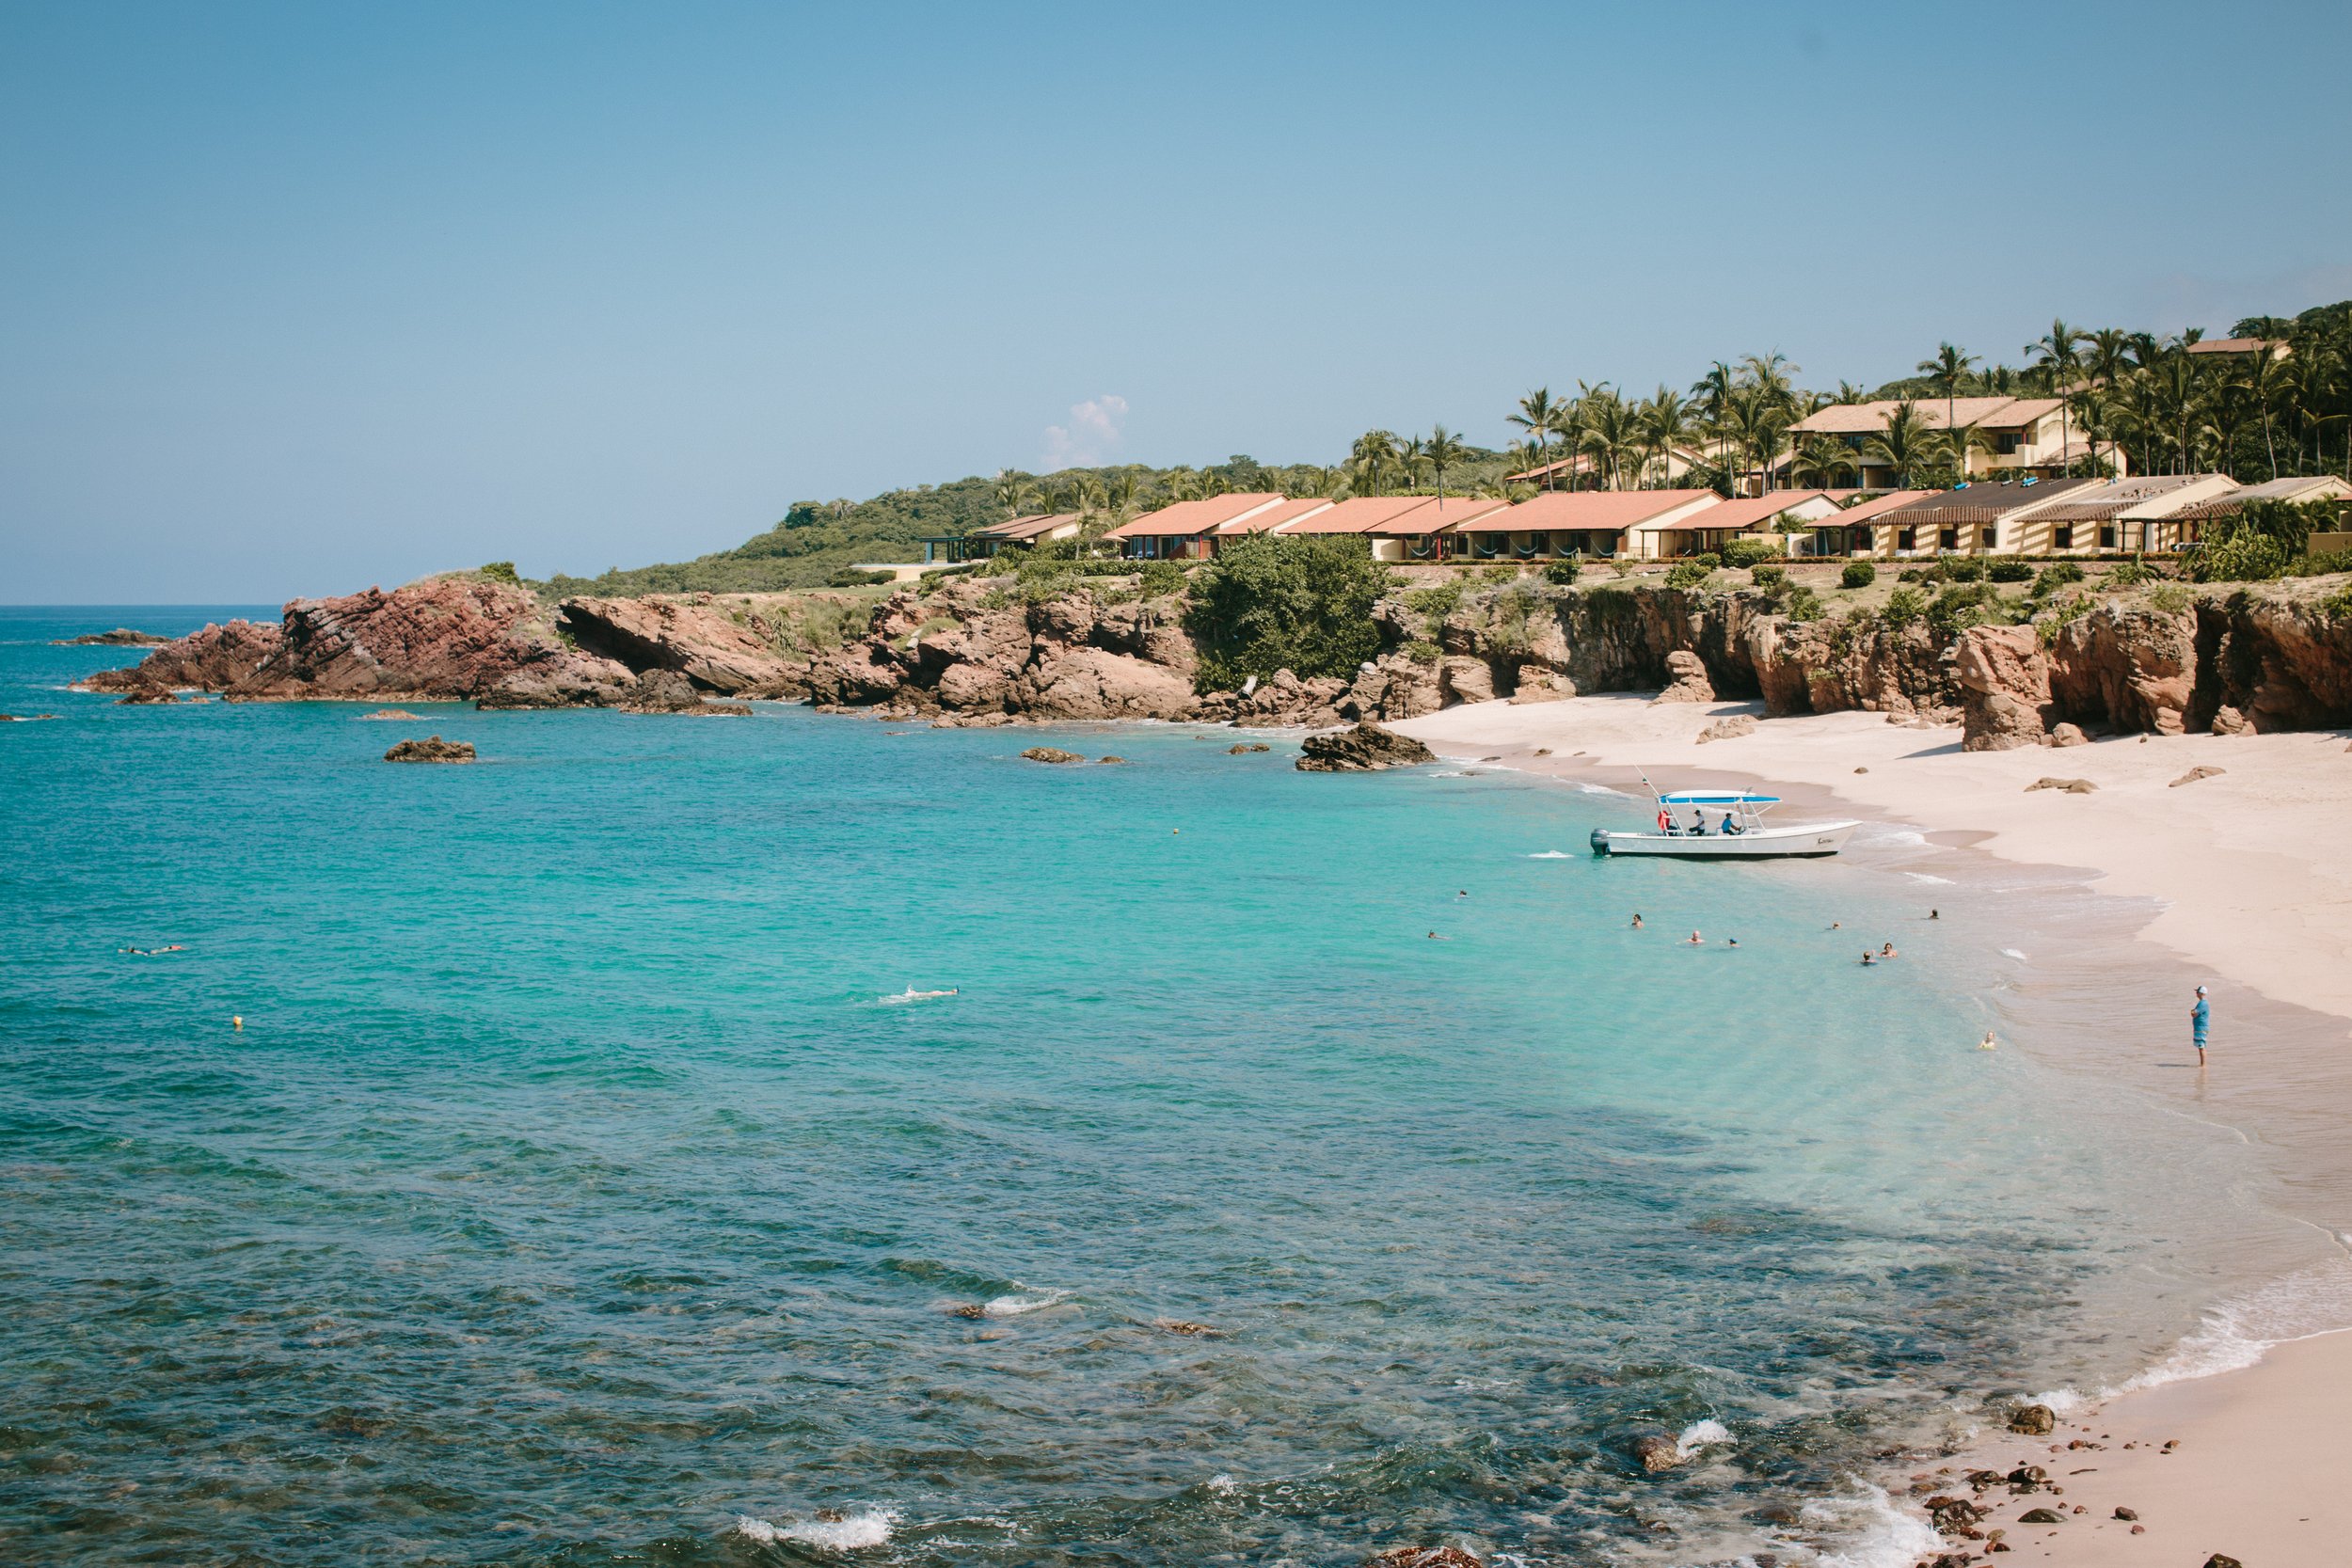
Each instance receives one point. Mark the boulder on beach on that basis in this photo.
(1053, 754)
(2194, 774)
(432, 749)
(1687, 680)
(1365, 748)
(1728, 729)
(2041, 1516)
(2036, 1420)
(2228, 721)
(2071, 786)
(2068, 734)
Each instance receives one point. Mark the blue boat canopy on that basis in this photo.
(1718, 798)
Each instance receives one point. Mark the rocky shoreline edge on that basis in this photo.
(975, 650)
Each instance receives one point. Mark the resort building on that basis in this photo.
(1431, 531)
(1708, 529)
(2113, 515)
(1974, 519)
(1585, 522)
(2187, 526)
(2027, 436)
(2278, 347)
(1853, 531)
(982, 543)
(1274, 519)
(1188, 530)
(1357, 514)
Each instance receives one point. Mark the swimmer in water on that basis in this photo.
(1868, 958)
(1835, 924)
(1731, 941)
(1696, 940)
(1935, 914)
(1988, 1044)
(1637, 921)
(1888, 952)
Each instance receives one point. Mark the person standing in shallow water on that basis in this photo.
(2200, 1017)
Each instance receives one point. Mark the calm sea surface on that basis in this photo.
(576, 1192)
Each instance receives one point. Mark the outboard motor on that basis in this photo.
(1600, 841)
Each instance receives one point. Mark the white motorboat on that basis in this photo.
(1723, 825)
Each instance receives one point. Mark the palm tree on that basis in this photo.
(1820, 461)
(1535, 415)
(1715, 392)
(1611, 431)
(1374, 450)
(1413, 455)
(2267, 378)
(1750, 422)
(1664, 419)
(1906, 442)
(1947, 370)
(2056, 348)
(1443, 451)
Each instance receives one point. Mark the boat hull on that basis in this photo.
(1810, 841)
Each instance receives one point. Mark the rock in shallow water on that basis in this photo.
(1051, 754)
(1365, 748)
(1425, 1557)
(2035, 1420)
(432, 749)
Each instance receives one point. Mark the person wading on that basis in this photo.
(2200, 1017)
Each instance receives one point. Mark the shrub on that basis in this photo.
(1278, 601)
(1749, 548)
(1690, 572)
(2322, 564)
(1858, 574)
(2338, 605)
(1161, 576)
(1769, 576)
(502, 571)
(2056, 576)
(1803, 604)
(2009, 569)
(1916, 574)
(1436, 603)
(2170, 598)
(1502, 574)
(1966, 605)
(1960, 568)
(2245, 556)
(2131, 574)
(1561, 572)
(1904, 606)
(850, 576)
(1422, 650)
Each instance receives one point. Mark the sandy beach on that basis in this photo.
(2244, 886)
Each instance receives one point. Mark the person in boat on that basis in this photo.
(1665, 822)
(1731, 827)
(1698, 824)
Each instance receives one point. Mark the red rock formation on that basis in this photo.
(2006, 678)
(444, 637)
(705, 644)
(213, 660)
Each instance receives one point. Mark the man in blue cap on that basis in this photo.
(2199, 1017)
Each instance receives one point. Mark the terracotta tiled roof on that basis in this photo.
(1274, 517)
(2234, 345)
(1602, 511)
(1746, 511)
(1185, 518)
(2123, 495)
(2310, 488)
(1439, 515)
(1358, 514)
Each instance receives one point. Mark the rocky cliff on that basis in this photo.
(971, 650)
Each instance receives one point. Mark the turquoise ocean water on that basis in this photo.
(574, 1195)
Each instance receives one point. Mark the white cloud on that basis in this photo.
(1092, 436)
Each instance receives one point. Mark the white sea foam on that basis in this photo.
(1013, 1306)
(1447, 773)
(848, 1533)
(1871, 1533)
(1706, 1433)
(1588, 788)
(1552, 855)
(2235, 1334)
(2013, 953)
(1223, 1484)
(1875, 834)
(1923, 877)
(911, 994)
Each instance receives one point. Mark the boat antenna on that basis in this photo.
(1652, 789)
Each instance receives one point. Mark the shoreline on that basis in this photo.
(2250, 1399)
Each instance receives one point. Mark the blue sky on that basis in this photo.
(297, 298)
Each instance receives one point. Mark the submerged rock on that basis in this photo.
(392, 713)
(433, 749)
(1365, 748)
(1246, 748)
(1187, 1329)
(1657, 1453)
(148, 694)
(1052, 753)
(1427, 1557)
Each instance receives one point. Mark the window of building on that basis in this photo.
(2006, 444)
(1948, 539)
(1906, 539)
(2106, 536)
(2062, 536)
(1992, 536)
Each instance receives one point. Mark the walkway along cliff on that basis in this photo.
(970, 651)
